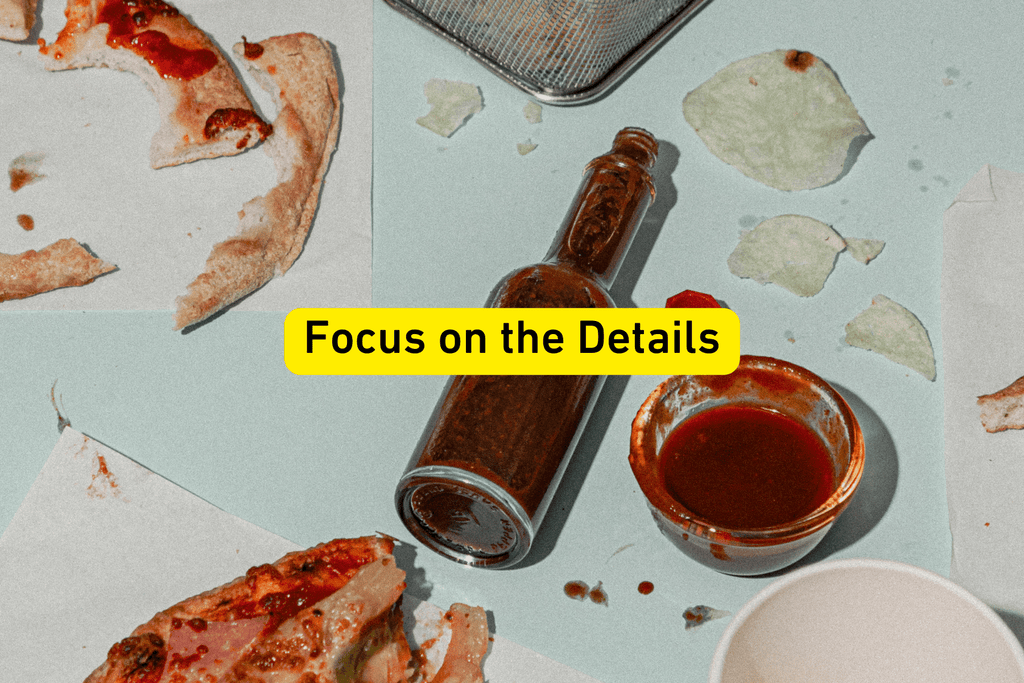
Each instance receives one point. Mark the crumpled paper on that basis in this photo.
(100, 544)
(982, 341)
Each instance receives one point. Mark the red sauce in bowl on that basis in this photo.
(746, 467)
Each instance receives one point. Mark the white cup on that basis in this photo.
(859, 620)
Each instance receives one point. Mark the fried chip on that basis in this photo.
(794, 252)
(451, 103)
(864, 250)
(887, 328)
(781, 118)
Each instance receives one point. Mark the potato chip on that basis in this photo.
(887, 328)
(864, 250)
(781, 118)
(794, 252)
(451, 103)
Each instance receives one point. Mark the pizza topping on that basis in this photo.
(251, 50)
(129, 21)
(138, 659)
(235, 118)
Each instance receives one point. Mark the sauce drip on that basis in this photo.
(746, 467)
(129, 22)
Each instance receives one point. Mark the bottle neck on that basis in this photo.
(613, 197)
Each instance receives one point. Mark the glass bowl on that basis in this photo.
(761, 382)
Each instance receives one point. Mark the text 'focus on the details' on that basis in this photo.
(511, 341)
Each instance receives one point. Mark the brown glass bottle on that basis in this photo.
(489, 461)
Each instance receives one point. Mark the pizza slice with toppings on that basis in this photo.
(329, 614)
(204, 110)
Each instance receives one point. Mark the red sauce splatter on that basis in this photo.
(597, 595)
(577, 590)
(129, 22)
(645, 588)
(746, 467)
(799, 61)
(691, 299)
(233, 118)
(252, 50)
(26, 222)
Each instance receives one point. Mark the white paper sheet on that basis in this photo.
(100, 544)
(94, 127)
(983, 351)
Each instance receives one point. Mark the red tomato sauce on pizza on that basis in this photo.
(130, 27)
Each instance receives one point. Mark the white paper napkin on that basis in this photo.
(100, 544)
(983, 351)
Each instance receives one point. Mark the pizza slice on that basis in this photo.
(65, 263)
(1003, 409)
(17, 17)
(298, 70)
(329, 614)
(204, 110)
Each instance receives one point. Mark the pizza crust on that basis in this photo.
(298, 70)
(17, 17)
(65, 263)
(204, 110)
(1003, 409)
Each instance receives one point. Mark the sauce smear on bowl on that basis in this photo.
(745, 467)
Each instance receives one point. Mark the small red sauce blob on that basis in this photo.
(597, 595)
(799, 61)
(26, 222)
(233, 117)
(746, 467)
(252, 50)
(129, 21)
(691, 299)
(645, 588)
(577, 590)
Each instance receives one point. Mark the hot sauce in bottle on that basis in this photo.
(490, 458)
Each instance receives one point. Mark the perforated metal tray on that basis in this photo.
(558, 51)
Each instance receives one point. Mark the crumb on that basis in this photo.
(525, 148)
(701, 614)
(532, 112)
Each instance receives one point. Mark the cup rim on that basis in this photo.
(821, 517)
(781, 584)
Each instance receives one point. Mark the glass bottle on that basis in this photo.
(485, 470)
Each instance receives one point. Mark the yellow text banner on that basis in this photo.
(511, 341)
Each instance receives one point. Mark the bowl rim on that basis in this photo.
(814, 521)
(781, 584)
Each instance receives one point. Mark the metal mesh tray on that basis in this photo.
(559, 51)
